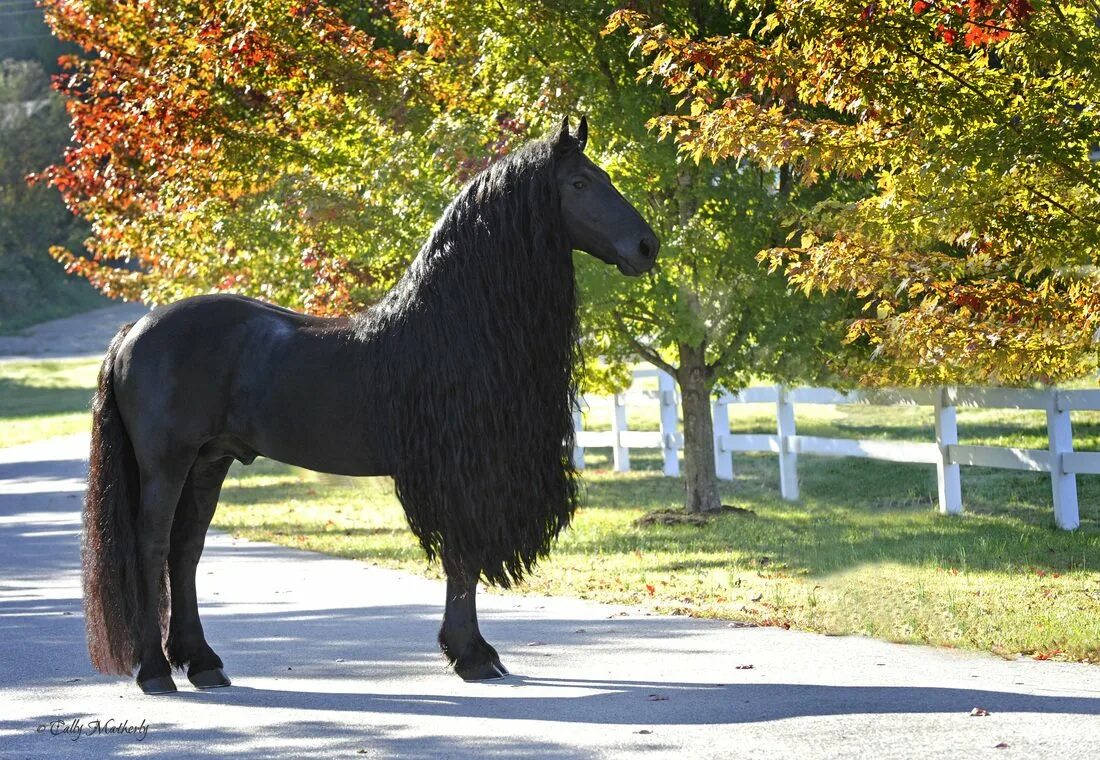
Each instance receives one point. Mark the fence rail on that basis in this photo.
(1059, 459)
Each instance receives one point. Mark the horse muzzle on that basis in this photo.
(638, 258)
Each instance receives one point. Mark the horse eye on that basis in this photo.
(580, 184)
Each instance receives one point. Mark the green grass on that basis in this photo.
(864, 551)
(42, 399)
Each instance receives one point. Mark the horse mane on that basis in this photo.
(479, 344)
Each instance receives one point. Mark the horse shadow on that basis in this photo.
(644, 703)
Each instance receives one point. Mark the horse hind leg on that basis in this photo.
(160, 492)
(473, 658)
(187, 645)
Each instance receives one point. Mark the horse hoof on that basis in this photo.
(210, 679)
(158, 685)
(486, 671)
(500, 668)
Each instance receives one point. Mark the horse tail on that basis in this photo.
(111, 568)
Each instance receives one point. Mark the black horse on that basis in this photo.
(459, 383)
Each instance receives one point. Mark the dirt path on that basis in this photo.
(80, 335)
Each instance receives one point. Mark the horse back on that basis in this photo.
(224, 375)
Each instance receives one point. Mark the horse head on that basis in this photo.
(597, 218)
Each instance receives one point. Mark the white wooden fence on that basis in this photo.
(1059, 458)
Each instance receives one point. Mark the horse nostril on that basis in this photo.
(648, 248)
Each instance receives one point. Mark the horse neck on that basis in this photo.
(513, 304)
(522, 299)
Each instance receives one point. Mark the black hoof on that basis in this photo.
(210, 679)
(485, 671)
(500, 667)
(158, 685)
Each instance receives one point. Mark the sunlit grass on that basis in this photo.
(42, 399)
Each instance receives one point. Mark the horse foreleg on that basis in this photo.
(160, 493)
(459, 637)
(187, 643)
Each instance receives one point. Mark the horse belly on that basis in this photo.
(322, 452)
(312, 423)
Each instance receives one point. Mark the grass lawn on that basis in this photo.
(863, 552)
(41, 399)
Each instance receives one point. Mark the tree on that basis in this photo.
(283, 148)
(238, 147)
(33, 130)
(975, 255)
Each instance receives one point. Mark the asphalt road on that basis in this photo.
(335, 658)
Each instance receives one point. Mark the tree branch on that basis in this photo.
(643, 350)
(647, 319)
(1056, 204)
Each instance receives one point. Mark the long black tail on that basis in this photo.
(111, 568)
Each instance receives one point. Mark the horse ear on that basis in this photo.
(563, 133)
(582, 132)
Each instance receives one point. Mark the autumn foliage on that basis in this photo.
(975, 247)
(181, 114)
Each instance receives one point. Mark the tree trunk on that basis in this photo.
(696, 381)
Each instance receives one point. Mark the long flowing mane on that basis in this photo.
(478, 341)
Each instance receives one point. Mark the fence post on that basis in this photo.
(578, 450)
(1064, 484)
(788, 456)
(620, 454)
(723, 460)
(666, 386)
(947, 473)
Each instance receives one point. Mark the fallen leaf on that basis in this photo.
(1002, 745)
(745, 667)
(536, 643)
(650, 589)
(657, 698)
(644, 731)
(979, 712)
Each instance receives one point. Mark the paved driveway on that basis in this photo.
(335, 658)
